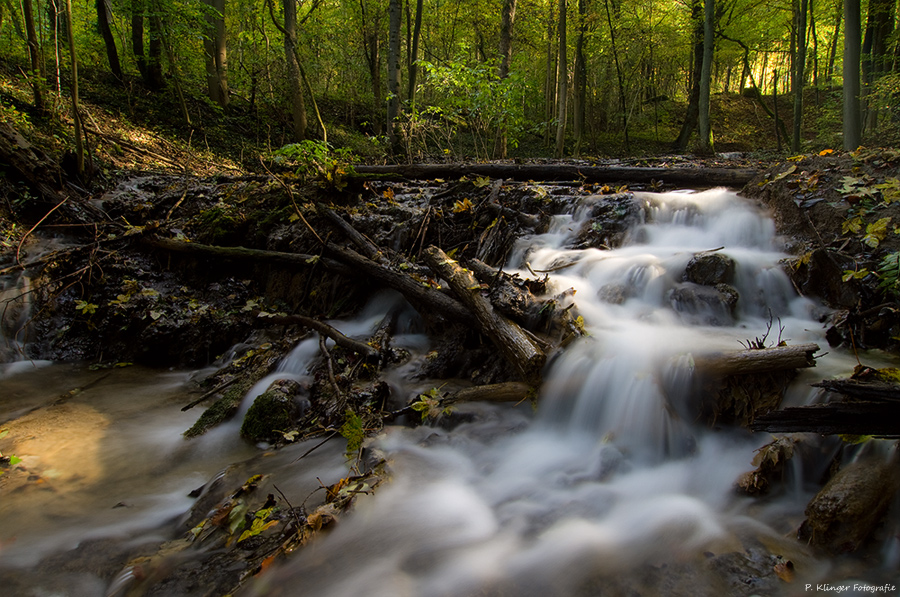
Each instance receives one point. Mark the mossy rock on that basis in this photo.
(273, 412)
(222, 409)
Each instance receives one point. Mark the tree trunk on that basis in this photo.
(562, 82)
(799, 74)
(506, 28)
(414, 55)
(395, 12)
(832, 51)
(580, 81)
(137, 39)
(34, 55)
(155, 51)
(549, 78)
(104, 16)
(216, 54)
(76, 103)
(372, 51)
(879, 27)
(852, 120)
(298, 104)
(693, 110)
(620, 77)
(706, 144)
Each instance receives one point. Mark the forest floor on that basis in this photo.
(150, 266)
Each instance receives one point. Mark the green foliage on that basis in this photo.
(889, 275)
(429, 405)
(318, 161)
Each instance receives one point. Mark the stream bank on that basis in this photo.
(160, 306)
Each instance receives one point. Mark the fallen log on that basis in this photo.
(732, 177)
(512, 391)
(344, 261)
(365, 246)
(515, 344)
(31, 164)
(862, 389)
(761, 360)
(834, 418)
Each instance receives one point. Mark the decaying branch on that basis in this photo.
(323, 328)
(757, 360)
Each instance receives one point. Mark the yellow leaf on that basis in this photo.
(826, 152)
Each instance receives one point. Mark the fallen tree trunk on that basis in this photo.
(515, 344)
(512, 391)
(31, 164)
(681, 176)
(845, 418)
(344, 261)
(862, 389)
(762, 360)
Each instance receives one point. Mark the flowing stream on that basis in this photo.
(609, 487)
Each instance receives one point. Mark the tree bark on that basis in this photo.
(852, 418)
(298, 103)
(852, 117)
(76, 103)
(517, 346)
(562, 82)
(320, 327)
(104, 16)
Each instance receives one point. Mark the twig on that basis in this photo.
(294, 203)
(316, 447)
(215, 390)
(33, 228)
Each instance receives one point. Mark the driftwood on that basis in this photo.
(515, 344)
(323, 329)
(762, 360)
(294, 260)
(862, 389)
(681, 176)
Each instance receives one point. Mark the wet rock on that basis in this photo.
(770, 461)
(611, 217)
(705, 305)
(821, 274)
(710, 269)
(273, 412)
(848, 509)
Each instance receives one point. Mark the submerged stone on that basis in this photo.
(710, 269)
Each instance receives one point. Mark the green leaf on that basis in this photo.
(85, 307)
(14, 460)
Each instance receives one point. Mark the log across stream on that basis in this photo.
(611, 485)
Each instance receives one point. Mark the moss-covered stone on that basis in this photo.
(222, 409)
(273, 412)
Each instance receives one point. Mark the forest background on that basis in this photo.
(455, 79)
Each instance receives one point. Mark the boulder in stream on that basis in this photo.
(710, 269)
(848, 509)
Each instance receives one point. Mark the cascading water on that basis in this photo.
(612, 488)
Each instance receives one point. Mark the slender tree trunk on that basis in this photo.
(76, 103)
(295, 83)
(137, 39)
(562, 82)
(507, 19)
(155, 51)
(33, 55)
(879, 27)
(832, 52)
(395, 12)
(852, 34)
(216, 54)
(775, 107)
(104, 16)
(580, 79)
(620, 77)
(799, 75)
(706, 144)
(414, 54)
(550, 77)
(693, 109)
(173, 63)
(372, 52)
